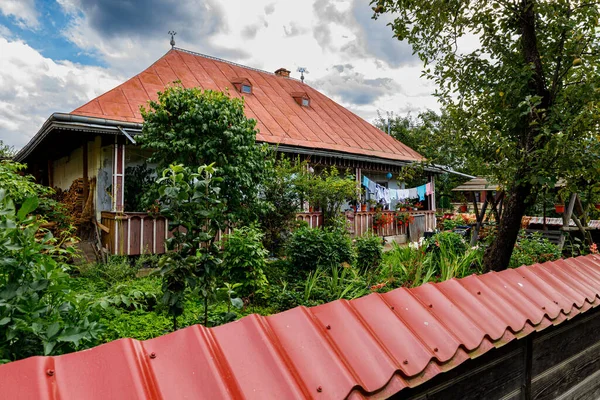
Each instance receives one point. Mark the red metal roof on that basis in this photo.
(373, 346)
(280, 119)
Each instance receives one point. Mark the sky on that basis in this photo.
(56, 55)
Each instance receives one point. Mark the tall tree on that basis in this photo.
(524, 101)
(195, 127)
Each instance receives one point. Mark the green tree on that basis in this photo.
(281, 199)
(328, 190)
(524, 102)
(195, 127)
(6, 151)
(191, 202)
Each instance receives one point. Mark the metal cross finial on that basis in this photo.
(172, 33)
(302, 71)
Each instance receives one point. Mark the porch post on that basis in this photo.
(118, 177)
(86, 182)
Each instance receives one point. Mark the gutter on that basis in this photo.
(78, 122)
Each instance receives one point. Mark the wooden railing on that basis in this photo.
(134, 233)
(362, 222)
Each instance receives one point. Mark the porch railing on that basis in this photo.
(362, 222)
(135, 233)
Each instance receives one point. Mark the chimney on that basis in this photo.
(283, 72)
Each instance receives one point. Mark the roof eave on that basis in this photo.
(79, 122)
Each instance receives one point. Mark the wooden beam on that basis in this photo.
(479, 218)
(50, 173)
(566, 218)
(86, 182)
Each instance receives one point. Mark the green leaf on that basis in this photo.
(237, 303)
(29, 205)
(4, 321)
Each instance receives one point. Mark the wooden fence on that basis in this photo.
(135, 233)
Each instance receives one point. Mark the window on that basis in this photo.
(301, 98)
(242, 84)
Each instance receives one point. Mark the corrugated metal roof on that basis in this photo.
(476, 185)
(280, 119)
(373, 346)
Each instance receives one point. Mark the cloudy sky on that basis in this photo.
(56, 55)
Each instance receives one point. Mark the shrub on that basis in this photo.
(369, 251)
(309, 248)
(38, 313)
(244, 260)
(533, 249)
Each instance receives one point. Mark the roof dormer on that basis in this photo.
(301, 98)
(242, 85)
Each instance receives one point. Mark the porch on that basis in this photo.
(136, 233)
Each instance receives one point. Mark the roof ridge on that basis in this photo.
(195, 53)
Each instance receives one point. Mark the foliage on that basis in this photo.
(403, 218)
(116, 269)
(382, 219)
(139, 183)
(20, 186)
(190, 200)
(6, 151)
(532, 249)
(522, 104)
(328, 191)
(282, 200)
(369, 251)
(405, 266)
(244, 260)
(38, 312)
(450, 240)
(194, 127)
(450, 258)
(309, 248)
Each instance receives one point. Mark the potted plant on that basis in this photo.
(559, 207)
(381, 219)
(363, 207)
(371, 204)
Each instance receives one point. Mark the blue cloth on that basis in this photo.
(421, 192)
(365, 181)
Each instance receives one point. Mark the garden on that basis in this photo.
(212, 177)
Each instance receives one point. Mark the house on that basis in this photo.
(92, 147)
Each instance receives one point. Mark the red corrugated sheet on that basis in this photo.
(280, 119)
(373, 346)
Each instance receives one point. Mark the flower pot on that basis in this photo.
(311, 209)
(463, 208)
(597, 206)
(363, 207)
(560, 208)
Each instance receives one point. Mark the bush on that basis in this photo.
(369, 251)
(451, 240)
(38, 312)
(244, 260)
(533, 249)
(309, 248)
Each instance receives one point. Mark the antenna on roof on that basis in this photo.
(302, 71)
(172, 33)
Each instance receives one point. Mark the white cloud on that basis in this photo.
(23, 11)
(268, 34)
(32, 87)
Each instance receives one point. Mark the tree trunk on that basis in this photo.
(497, 255)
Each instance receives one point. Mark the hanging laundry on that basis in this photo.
(393, 194)
(365, 181)
(429, 189)
(412, 193)
(421, 192)
(403, 194)
(372, 187)
(386, 196)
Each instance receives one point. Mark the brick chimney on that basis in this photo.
(283, 72)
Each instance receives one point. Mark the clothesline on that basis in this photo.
(385, 195)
